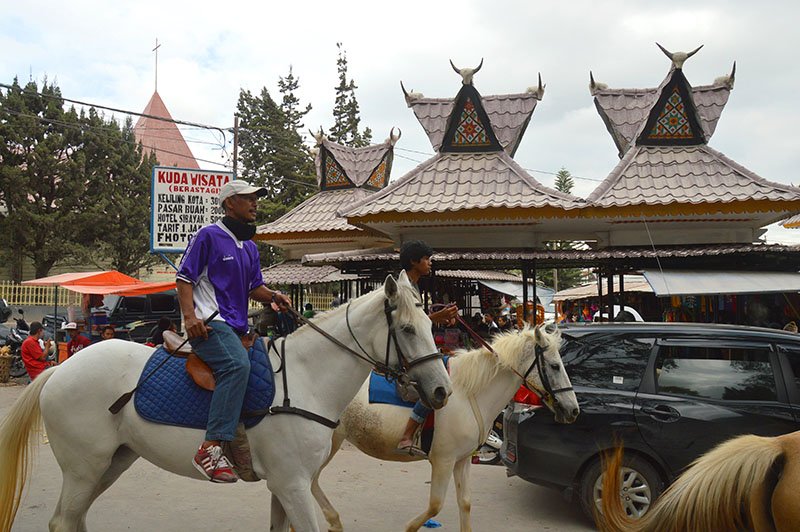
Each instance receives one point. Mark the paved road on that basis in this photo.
(371, 496)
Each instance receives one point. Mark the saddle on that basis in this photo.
(199, 371)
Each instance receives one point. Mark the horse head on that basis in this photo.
(410, 345)
(547, 376)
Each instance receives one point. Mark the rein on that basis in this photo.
(548, 394)
(399, 374)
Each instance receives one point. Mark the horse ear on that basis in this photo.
(403, 277)
(390, 287)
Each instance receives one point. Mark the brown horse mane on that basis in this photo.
(730, 487)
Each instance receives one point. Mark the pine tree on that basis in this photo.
(290, 103)
(41, 185)
(562, 278)
(346, 111)
(274, 156)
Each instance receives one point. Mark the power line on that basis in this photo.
(83, 127)
(116, 110)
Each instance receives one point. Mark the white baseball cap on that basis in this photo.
(235, 186)
(71, 326)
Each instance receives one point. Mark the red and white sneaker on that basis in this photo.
(214, 465)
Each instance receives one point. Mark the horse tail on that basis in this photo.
(717, 492)
(17, 448)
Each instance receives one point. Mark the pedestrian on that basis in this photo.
(157, 333)
(309, 313)
(219, 273)
(488, 327)
(336, 299)
(77, 341)
(33, 355)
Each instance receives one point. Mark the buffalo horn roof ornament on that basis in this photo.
(678, 58)
(727, 80)
(595, 86)
(392, 140)
(410, 96)
(539, 90)
(466, 73)
(319, 136)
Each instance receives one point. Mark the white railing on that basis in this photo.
(18, 295)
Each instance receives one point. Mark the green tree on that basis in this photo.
(274, 156)
(562, 278)
(118, 195)
(346, 112)
(290, 103)
(41, 185)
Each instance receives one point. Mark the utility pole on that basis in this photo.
(235, 143)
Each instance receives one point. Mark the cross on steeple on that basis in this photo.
(156, 52)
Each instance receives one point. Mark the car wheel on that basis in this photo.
(641, 486)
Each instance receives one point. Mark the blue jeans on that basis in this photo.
(223, 351)
(420, 412)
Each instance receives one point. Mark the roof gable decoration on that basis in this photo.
(468, 127)
(333, 175)
(342, 167)
(379, 177)
(673, 118)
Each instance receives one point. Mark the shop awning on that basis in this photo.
(103, 283)
(514, 289)
(693, 282)
(633, 283)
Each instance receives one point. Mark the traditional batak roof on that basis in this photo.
(163, 138)
(345, 175)
(292, 272)
(792, 223)
(663, 141)
(474, 138)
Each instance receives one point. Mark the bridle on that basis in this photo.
(398, 372)
(548, 395)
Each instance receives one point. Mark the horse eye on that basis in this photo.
(555, 367)
(407, 329)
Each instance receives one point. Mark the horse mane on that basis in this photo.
(714, 493)
(471, 371)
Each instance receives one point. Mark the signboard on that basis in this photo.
(182, 201)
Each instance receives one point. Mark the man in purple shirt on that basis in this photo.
(219, 272)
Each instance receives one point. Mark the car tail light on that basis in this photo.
(526, 397)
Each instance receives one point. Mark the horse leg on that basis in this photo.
(440, 478)
(461, 479)
(330, 513)
(279, 521)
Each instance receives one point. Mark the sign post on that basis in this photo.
(182, 201)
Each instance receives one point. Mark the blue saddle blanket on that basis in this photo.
(171, 397)
(385, 392)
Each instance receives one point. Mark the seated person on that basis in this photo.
(33, 355)
(309, 311)
(77, 341)
(157, 333)
(108, 333)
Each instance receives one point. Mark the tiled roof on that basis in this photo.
(479, 275)
(163, 138)
(317, 213)
(649, 175)
(625, 110)
(452, 182)
(358, 163)
(509, 115)
(292, 272)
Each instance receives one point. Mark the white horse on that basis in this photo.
(94, 447)
(483, 383)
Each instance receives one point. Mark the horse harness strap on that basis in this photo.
(286, 407)
(548, 393)
(476, 411)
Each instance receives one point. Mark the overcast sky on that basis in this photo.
(100, 52)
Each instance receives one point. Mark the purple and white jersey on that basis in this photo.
(224, 270)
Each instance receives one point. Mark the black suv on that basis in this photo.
(668, 391)
(144, 311)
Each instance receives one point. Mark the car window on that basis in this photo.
(162, 302)
(606, 361)
(134, 304)
(793, 356)
(722, 373)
